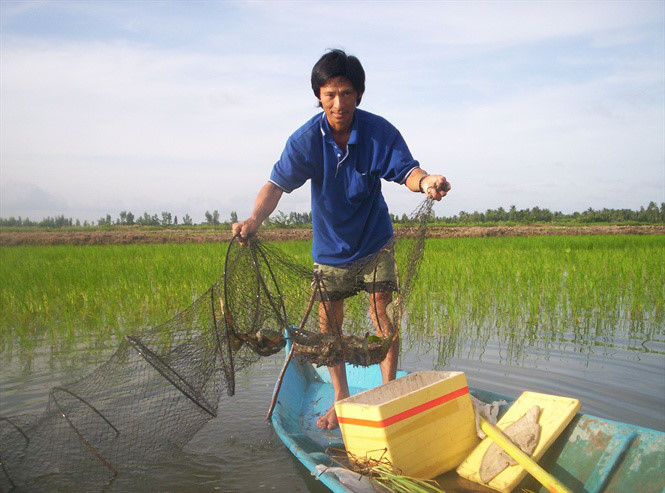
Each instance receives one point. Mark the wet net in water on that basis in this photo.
(164, 384)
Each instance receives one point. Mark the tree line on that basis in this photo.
(650, 214)
(125, 218)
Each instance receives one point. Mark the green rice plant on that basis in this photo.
(522, 292)
(93, 293)
(531, 291)
(62, 291)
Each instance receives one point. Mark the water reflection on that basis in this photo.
(423, 331)
(616, 369)
(430, 329)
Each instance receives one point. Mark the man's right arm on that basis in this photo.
(264, 205)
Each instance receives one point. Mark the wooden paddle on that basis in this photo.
(542, 476)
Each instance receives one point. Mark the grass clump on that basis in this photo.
(385, 477)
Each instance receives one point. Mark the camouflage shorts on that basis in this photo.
(374, 274)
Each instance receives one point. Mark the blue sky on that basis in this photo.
(185, 106)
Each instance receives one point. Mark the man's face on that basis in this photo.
(338, 100)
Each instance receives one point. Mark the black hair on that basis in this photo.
(336, 63)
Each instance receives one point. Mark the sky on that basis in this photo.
(184, 107)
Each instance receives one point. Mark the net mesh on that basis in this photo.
(164, 384)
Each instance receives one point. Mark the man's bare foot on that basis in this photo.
(329, 420)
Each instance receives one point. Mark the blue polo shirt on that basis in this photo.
(350, 217)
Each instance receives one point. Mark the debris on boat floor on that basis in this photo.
(354, 481)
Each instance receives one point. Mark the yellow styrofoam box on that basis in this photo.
(422, 423)
(556, 413)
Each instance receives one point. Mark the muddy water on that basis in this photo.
(617, 378)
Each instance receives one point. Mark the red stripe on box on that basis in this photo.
(405, 414)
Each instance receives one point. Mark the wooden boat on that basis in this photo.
(591, 455)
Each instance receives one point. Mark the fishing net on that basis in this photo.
(164, 384)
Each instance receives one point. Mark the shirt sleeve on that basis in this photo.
(293, 168)
(398, 161)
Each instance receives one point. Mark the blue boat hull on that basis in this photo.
(592, 455)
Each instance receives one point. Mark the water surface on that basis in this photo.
(617, 378)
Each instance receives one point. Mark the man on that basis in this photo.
(345, 152)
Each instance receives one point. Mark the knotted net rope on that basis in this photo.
(164, 383)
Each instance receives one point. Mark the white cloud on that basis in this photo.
(139, 124)
(185, 109)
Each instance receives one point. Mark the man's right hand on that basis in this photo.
(245, 229)
(265, 204)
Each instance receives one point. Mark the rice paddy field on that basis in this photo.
(522, 290)
(574, 315)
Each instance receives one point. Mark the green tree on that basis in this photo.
(105, 221)
(212, 219)
(167, 219)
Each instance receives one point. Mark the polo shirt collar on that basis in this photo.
(327, 133)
